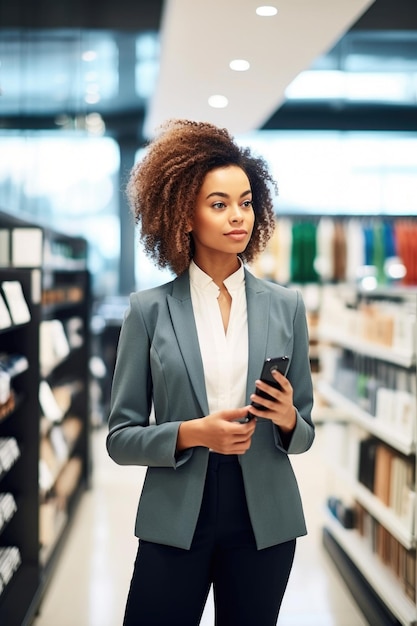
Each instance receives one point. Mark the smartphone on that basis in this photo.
(281, 364)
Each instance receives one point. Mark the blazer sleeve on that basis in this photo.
(132, 438)
(299, 374)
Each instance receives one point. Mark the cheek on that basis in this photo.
(251, 220)
(204, 225)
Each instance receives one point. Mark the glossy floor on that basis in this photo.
(91, 579)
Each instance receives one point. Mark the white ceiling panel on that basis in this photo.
(200, 38)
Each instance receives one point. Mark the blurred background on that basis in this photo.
(329, 98)
(326, 92)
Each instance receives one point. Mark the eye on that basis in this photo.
(247, 204)
(218, 205)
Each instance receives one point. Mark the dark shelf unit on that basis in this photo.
(56, 289)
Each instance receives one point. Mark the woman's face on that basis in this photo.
(223, 219)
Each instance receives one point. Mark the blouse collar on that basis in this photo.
(203, 281)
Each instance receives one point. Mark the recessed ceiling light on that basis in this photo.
(89, 55)
(92, 98)
(218, 101)
(266, 11)
(239, 65)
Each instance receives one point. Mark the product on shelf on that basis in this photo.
(392, 554)
(8, 508)
(10, 561)
(6, 408)
(27, 247)
(9, 453)
(18, 308)
(5, 319)
(54, 346)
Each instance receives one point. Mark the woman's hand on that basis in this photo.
(280, 409)
(221, 432)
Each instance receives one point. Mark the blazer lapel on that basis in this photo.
(258, 303)
(182, 316)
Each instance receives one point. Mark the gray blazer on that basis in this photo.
(159, 367)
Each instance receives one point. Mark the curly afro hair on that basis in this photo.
(163, 187)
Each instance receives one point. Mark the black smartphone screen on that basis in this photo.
(281, 364)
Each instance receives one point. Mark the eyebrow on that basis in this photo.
(226, 195)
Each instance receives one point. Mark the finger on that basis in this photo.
(235, 414)
(269, 389)
(269, 409)
(267, 404)
(243, 447)
(243, 429)
(283, 381)
(279, 377)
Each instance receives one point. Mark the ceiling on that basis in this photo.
(150, 60)
(200, 38)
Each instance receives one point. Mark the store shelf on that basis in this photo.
(375, 465)
(26, 582)
(380, 577)
(56, 296)
(405, 358)
(376, 508)
(365, 420)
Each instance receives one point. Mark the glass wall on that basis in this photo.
(329, 173)
(68, 182)
(341, 173)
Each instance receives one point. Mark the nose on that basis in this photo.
(236, 215)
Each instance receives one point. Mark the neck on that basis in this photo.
(220, 269)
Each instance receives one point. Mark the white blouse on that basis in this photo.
(224, 355)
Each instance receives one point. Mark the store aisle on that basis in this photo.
(92, 577)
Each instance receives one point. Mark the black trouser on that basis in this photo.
(170, 586)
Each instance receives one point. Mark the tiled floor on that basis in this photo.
(91, 580)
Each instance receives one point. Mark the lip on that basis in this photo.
(237, 235)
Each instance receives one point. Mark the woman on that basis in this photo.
(220, 503)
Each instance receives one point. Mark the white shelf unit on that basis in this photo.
(378, 575)
(404, 357)
(378, 579)
(369, 423)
